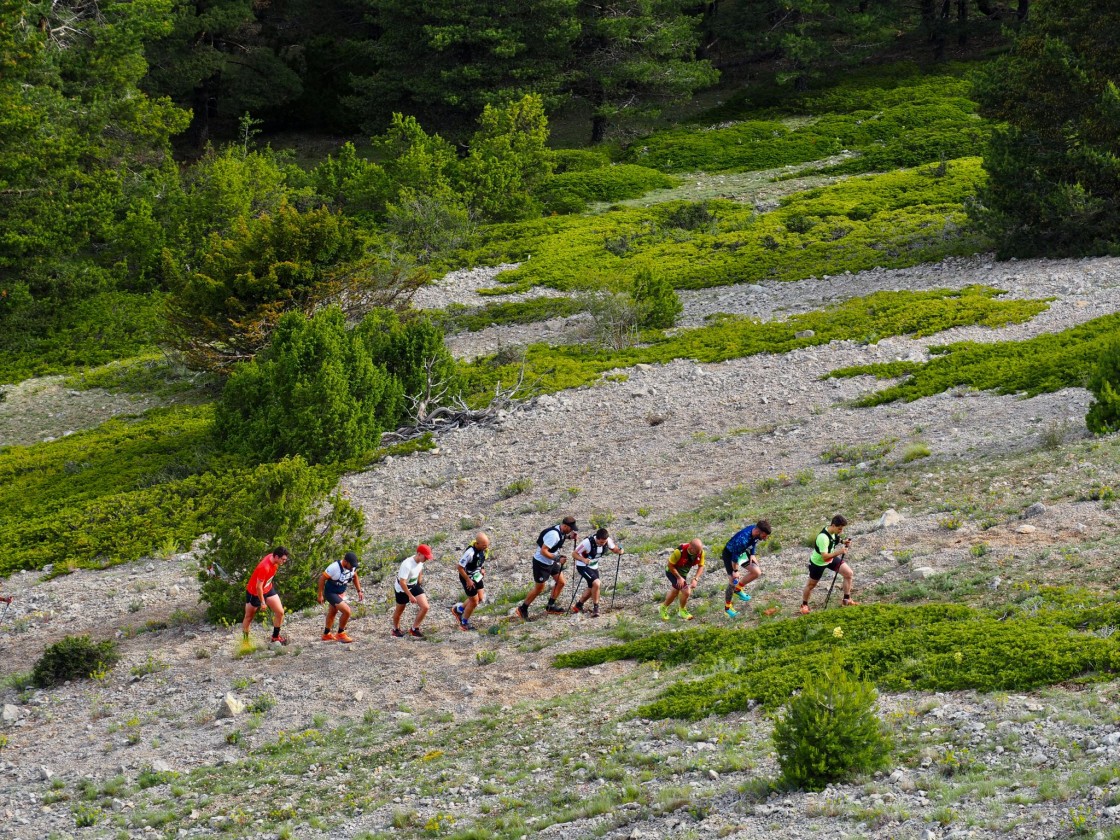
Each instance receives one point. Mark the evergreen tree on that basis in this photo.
(1053, 160)
(632, 57)
(85, 170)
(444, 60)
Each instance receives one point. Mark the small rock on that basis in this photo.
(230, 707)
(1037, 509)
(359, 695)
(161, 766)
(804, 334)
(1025, 529)
(922, 572)
(45, 773)
(889, 519)
(713, 775)
(10, 714)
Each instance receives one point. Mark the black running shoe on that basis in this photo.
(523, 611)
(554, 609)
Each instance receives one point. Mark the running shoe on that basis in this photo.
(595, 611)
(523, 611)
(466, 626)
(279, 640)
(804, 609)
(743, 596)
(730, 613)
(664, 613)
(577, 608)
(415, 633)
(848, 602)
(397, 633)
(554, 609)
(344, 638)
(685, 614)
(330, 637)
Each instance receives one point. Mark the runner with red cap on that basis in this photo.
(408, 590)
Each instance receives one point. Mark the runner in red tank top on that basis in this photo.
(259, 592)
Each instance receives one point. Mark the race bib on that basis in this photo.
(477, 576)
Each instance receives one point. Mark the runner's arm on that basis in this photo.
(358, 586)
(322, 582)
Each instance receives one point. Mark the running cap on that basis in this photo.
(570, 521)
(351, 558)
(424, 551)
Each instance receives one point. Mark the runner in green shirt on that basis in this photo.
(829, 551)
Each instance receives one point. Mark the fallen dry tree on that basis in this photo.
(455, 414)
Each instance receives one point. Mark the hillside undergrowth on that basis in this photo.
(893, 220)
(1033, 366)
(868, 319)
(936, 647)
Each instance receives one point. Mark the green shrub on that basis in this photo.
(1043, 364)
(914, 452)
(577, 189)
(223, 309)
(428, 227)
(73, 658)
(882, 314)
(1104, 383)
(285, 504)
(92, 331)
(459, 318)
(659, 306)
(516, 488)
(937, 647)
(830, 732)
(909, 218)
(316, 392)
(580, 160)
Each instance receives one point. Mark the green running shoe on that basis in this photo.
(685, 614)
(664, 613)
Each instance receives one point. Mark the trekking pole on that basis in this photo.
(4, 614)
(834, 574)
(575, 590)
(614, 589)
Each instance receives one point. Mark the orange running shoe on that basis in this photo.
(330, 637)
(345, 639)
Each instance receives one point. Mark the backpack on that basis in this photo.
(540, 536)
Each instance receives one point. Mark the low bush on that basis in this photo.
(93, 331)
(572, 191)
(939, 647)
(894, 220)
(830, 732)
(459, 318)
(659, 306)
(1033, 366)
(74, 658)
(286, 504)
(876, 316)
(1104, 383)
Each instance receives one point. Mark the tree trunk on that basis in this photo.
(1023, 10)
(598, 128)
(962, 22)
(204, 100)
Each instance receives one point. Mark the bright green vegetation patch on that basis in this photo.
(893, 220)
(150, 373)
(1037, 365)
(129, 488)
(99, 329)
(861, 319)
(571, 192)
(928, 648)
(891, 122)
(114, 493)
(459, 318)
